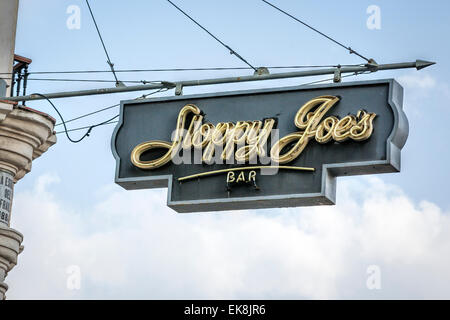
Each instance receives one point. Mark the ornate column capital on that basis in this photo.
(5, 108)
(25, 134)
(10, 248)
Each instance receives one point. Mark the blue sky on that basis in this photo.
(152, 34)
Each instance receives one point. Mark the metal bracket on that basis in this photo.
(261, 71)
(179, 89)
(418, 64)
(337, 75)
(372, 65)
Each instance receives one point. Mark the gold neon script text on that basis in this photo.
(309, 119)
(250, 137)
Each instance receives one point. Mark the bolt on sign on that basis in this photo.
(282, 147)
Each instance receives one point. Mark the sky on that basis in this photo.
(128, 244)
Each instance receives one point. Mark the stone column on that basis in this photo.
(8, 22)
(25, 134)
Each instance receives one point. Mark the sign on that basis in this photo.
(6, 196)
(3, 87)
(266, 148)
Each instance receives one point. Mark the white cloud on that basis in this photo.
(417, 81)
(130, 245)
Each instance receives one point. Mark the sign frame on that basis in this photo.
(330, 172)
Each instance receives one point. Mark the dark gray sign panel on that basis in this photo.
(372, 108)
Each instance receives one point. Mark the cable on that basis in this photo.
(330, 79)
(81, 128)
(111, 65)
(109, 107)
(88, 114)
(321, 33)
(304, 84)
(107, 121)
(217, 39)
(185, 69)
(86, 80)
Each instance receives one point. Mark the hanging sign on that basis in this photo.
(267, 148)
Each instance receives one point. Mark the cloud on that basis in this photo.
(422, 92)
(417, 81)
(420, 84)
(131, 246)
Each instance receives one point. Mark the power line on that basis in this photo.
(330, 79)
(182, 69)
(418, 64)
(88, 114)
(111, 65)
(87, 127)
(66, 131)
(64, 124)
(321, 33)
(86, 80)
(107, 108)
(110, 121)
(213, 36)
(89, 80)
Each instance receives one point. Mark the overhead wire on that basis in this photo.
(180, 69)
(319, 32)
(330, 79)
(111, 65)
(87, 127)
(88, 132)
(109, 107)
(88, 114)
(213, 36)
(111, 121)
(184, 69)
(86, 80)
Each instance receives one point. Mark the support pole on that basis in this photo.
(418, 64)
